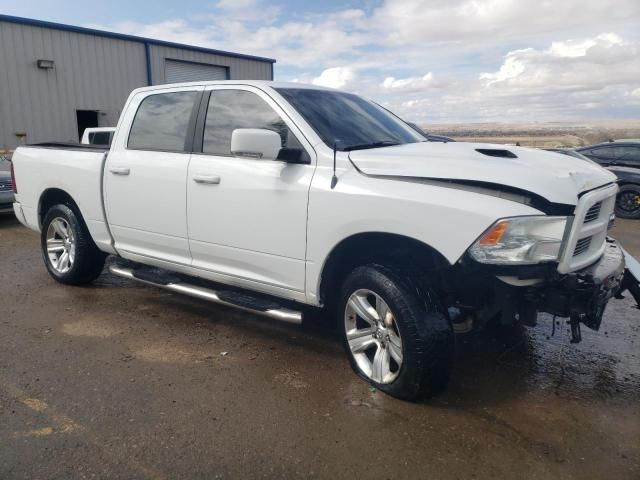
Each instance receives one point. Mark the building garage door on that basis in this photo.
(176, 71)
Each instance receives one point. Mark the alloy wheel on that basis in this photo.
(629, 201)
(373, 336)
(61, 245)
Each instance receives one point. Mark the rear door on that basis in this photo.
(248, 216)
(146, 171)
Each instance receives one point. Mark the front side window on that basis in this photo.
(162, 121)
(231, 109)
(349, 121)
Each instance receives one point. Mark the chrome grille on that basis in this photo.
(593, 213)
(585, 242)
(5, 186)
(582, 246)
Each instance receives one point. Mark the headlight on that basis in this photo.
(521, 241)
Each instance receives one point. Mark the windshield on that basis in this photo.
(347, 120)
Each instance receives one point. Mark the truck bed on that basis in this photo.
(41, 169)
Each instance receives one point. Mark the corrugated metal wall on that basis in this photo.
(239, 68)
(176, 71)
(92, 72)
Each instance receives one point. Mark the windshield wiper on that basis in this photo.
(363, 146)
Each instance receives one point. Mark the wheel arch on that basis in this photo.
(377, 247)
(55, 196)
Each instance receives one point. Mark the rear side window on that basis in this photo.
(231, 109)
(606, 152)
(630, 155)
(162, 121)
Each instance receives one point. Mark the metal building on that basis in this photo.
(56, 80)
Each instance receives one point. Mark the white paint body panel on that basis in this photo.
(255, 142)
(252, 224)
(270, 226)
(447, 219)
(146, 207)
(77, 172)
(558, 178)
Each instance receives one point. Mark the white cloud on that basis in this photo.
(255, 30)
(335, 77)
(570, 79)
(579, 65)
(407, 21)
(236, 4)
(176, 30)
(540, 61)
(410, 84)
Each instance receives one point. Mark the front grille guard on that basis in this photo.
(586, 224)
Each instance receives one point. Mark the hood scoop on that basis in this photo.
(496, 152)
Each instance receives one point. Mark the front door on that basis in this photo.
(145, 176)
(247, 217)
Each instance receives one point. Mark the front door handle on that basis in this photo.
(207, 179)
(119, 170)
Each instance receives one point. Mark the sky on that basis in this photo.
(432, 61)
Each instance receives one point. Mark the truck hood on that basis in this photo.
(555, 177)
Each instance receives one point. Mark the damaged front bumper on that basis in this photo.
(583, 295)
(478, 294)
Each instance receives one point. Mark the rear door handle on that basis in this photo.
(119, 170)
(207, 179)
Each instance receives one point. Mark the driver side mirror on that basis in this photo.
(257, 143)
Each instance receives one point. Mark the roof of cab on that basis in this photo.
(253, 83)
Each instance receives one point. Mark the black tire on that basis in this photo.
(88, 262)
(426, 334)
(628, 202)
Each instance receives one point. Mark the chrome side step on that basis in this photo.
(279, 313)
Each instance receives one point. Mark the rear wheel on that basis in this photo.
(628, 202)
(69, 253)
(396, 335)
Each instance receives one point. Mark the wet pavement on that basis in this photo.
(119, 380)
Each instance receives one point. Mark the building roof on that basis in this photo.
(122, 36)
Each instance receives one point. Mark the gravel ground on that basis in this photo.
(119, 380)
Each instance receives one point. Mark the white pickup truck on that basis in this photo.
(97, 136)
(275, 198)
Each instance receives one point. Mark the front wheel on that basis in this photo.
(395, 334)
(628, 202)
(69, 253)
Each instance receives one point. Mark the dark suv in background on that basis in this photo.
(622, 158)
